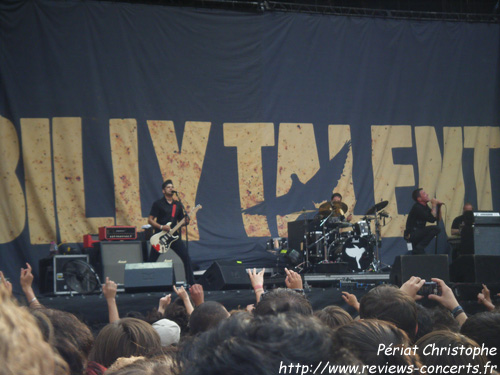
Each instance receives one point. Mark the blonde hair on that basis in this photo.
(23, 349)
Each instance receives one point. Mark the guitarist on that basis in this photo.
(164, 215)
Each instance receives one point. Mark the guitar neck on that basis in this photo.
(179, 224)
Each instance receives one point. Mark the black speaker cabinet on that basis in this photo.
(178, 264)
(145, 277)
(424, 266)
(114, 255)
(51, 273)
(486, 239)
(225, 275)
(475, 269)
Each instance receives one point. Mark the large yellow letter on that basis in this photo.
(442, 178)
(125, 156)
(12, 205)
(183, 167)
(387, 175)
(37, 158)
(69, 180)
(248, 140)
(297, 154)
(482, 139)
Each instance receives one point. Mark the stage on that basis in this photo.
(321, 290)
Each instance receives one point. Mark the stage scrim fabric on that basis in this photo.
(254, 116)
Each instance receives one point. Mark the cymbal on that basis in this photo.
(379, 206)
(338, 206)
(335, 208)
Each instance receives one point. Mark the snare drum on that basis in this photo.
(362, 228)
(358, 253)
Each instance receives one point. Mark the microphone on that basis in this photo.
(384, 214)
(174, 191)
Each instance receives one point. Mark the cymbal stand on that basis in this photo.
(377, 261)
(306, 265)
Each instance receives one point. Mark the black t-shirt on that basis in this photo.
(166, 212)
(459, 220)
(418, 217)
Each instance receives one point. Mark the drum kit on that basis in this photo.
(335, 240)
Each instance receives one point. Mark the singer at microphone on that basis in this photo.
(417, 232)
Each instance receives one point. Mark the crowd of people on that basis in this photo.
(279, 334)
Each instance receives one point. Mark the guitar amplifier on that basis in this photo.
(117, 233)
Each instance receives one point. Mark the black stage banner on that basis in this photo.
(257, 117)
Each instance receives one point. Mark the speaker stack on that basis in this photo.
(423, 266)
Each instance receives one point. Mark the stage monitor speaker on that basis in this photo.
(475, 269)
(145, 277)
(115, 255)
(178, 264)
(225, 275)
(423, 266)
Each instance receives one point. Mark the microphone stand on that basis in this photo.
(186, 215)
(438, 214)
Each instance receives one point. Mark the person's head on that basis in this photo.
(259, 345)
(206, 316)
(367, 338)
(430, 349)
(336, 197)
(125, 338)
(283, 301)
(442, 319)
(72, 338)
(419, 195)
(468, 207)
(333, 316)
(176, 311)
(484, 328)
(162, 364)
(23, 349)
(167, 187)
(387, 302)
(168, 330)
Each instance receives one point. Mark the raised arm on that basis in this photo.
(26, 281)
(109, 289)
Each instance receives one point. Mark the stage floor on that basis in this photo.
(321, 289)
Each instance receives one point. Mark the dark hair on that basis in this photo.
(72, 338)
(416, 193)
(164, 185)
(333, 316)
(484, 328)
(336, 195)
(443, 320)
(125, 338)
(176, 312)
(364, 337)
(259, 345)
(448, 340)
(387, 302)
(206, 316)
(283, 301)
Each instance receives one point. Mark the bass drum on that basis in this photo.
(357, 252)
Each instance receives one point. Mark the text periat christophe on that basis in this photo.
(434, 350)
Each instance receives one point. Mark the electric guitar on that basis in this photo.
(162, 241)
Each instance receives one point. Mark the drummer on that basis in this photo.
(336, 200)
